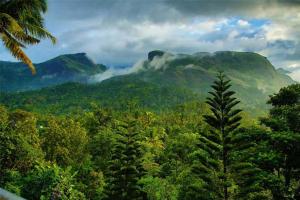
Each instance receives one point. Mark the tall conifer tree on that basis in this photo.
(224, 120)
(125, 167)
(221, 160)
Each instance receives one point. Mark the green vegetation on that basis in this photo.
(125, 168)
(75, 97)
(252, 76)
(189, 151)
(15, 77)
(224, 121)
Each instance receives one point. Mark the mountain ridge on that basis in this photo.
(252, 74)
(64, 68)
(253, 78)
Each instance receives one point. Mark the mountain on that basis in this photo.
(253, 76)
(65, 68)
(160, 82)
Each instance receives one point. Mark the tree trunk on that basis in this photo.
(287, 177)
(225, 188)
(224, 158)
(287, 173)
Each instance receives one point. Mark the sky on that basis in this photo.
(121, 32)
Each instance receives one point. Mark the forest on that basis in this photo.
(198, 150)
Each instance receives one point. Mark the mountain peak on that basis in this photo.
(74, 55)
(155, 53)
(221, 60)
(79, 57)
(76, 67)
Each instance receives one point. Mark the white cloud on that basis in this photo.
(295, 75)
(243, 23)
(275, 31)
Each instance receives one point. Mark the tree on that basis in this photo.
(64, 141)
(284, 139)
(99, 124)
(251, 158)
(285, 113)
(223, 121)
(21, 24)
(49, 181)
(125, 167)
(19, 141)
(289, 95)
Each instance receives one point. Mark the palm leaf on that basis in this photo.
(17, 52)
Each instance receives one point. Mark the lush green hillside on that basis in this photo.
(64, 68)
(111, 93)
(253, 76)
(159, 83)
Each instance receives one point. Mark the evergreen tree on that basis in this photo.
(223, 121)
(247, 154)
(284, 140)
(125, 167)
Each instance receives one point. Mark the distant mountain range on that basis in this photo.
(253, 76)
(161, 81)
(65, 68)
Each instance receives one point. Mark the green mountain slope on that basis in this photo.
(64, 68)
(113, 93)
(161, 82)
(252, 75)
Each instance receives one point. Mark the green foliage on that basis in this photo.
(287, 96)
(247, 174)
(19, 141)
(159, 189)
(91, 182)
(217, 146)
(99, 125)
(47, 181)
(125, 169)
(183, 78)
(64, 141)
(22, 24)
(12, 181)
(284, 121)
(133, 153)
(285, 113)
(78, 67)
(115, 94)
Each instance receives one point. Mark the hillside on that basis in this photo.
(66, 98)
(65, 68)
(253, 76)
(160, 82)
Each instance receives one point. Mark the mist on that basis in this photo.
(159, 63)
(155, 64)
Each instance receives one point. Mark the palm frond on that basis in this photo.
(17, 52)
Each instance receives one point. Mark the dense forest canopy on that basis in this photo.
(192, 151)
